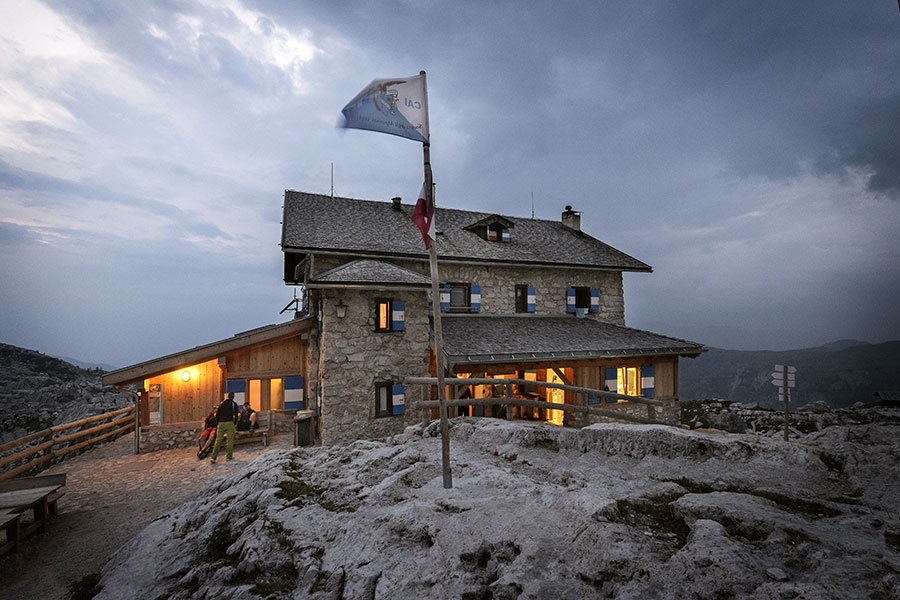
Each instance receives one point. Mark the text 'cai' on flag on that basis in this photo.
(395, 106)
(423, 217)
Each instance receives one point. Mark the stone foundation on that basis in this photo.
(185, 435)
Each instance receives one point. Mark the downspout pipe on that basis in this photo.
(137, 416)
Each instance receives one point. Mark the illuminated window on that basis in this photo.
(384, 316)
(390, 315)
(628, 381)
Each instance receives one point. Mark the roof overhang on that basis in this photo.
(199, 354)
(483, 340)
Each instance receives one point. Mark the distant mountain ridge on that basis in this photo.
(38, 391)
(839, 374)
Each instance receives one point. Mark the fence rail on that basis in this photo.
(54, 443)
(509, 399)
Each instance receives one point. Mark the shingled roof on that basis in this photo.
(489, 339)
(366, 228)
(369, 273)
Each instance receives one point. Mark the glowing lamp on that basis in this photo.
(186, 376)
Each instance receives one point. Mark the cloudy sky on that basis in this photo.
(748, 151)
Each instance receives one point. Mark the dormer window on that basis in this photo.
(493, 229)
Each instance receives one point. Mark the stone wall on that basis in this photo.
(185, 435)
(167, 437)
(356, 357)
(498, 285)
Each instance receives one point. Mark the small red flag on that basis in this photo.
(423, 217)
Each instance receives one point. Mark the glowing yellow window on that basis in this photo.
(629, 381)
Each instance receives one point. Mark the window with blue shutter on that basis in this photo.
(445, 297)
(390, 399)
(647, 381)
(390, 315)
(398, 399)
(582, 300)
(595, 300)
(398, 315)
(504, 235)
(238, 388)
(612, 382)
(293, 393)
(475, 299)
(526, 299)
(570, 300)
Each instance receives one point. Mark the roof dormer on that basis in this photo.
(493, 228)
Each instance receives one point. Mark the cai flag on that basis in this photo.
(423, 217)
(395, 106)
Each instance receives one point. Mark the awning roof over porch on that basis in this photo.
(482, 339)
(171, 362)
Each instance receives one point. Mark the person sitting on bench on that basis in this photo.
(208, 435)
(247, 418)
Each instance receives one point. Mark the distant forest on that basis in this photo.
(839, 374)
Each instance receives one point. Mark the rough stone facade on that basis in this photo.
(352, 357)
(498, 285)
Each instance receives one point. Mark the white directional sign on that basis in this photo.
(784, 377)
(778, 376)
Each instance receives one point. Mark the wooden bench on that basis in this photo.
(266, 428)
(39, 495)
(38, 481)
(52, 499)
(9, 522)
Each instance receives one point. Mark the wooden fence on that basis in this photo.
(59, 440)
(509, 399)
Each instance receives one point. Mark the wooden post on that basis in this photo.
(786, 390)
(438, 329)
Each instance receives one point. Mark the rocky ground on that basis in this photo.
(535, 511)
(736, 417)
(38, 391)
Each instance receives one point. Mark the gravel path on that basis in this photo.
(111, 495)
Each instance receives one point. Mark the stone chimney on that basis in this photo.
(571, 218)
(396, 201)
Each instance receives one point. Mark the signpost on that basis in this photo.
(784, 378)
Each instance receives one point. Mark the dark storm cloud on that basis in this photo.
(869, 139)
(742, 149)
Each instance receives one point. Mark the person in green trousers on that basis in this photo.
(227, 416)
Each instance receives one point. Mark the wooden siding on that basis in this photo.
(279, 359)
(191, 400)
(666, 377)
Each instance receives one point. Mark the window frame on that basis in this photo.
(521, 298)
(386, 392)
(387, 388)
(467, 293)
(582, 293)
(380, 304)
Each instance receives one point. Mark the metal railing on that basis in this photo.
(54, 443)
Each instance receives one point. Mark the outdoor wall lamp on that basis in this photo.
(186, 376)
(341, 309)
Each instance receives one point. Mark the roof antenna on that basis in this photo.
(532, 206)
(332, 180)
